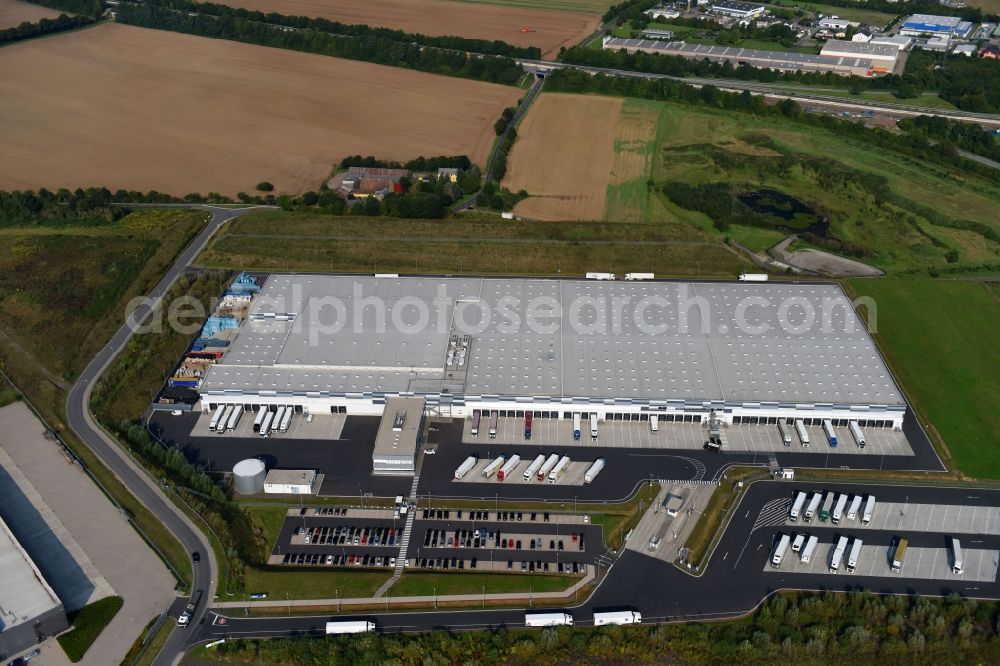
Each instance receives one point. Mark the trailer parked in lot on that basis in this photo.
(216, 417)
(899, 555)
(494, 466)
(527, 425)
(533, 468)
(837, 554)
(220, 427)
(476, 415)
(779, 550)
(859, 436)
(509, 467)
(852, 558)
(957, 561)
(852, 513)
(547, 466)
(797, 503)
(800, 428)
(594, 470)
(234, 418)
(824, 512)
(814, 501)
(286, 419)
(798, 542)
(831, 434)
(654, 423)
(465, 467)
(259, 419)
(838, 510)
(617, 617)
(276, 419)
(786, 437)
(866, 517)
(576, 426)
(559, 469)
(593, 426)
(809, 549)
(548, 620)
(265, 427)
(349, 627)
(494, 417)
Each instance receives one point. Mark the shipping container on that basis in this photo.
(508, 467)
(475, 423)
(494, 466)
(559, 469)
(465, 467)
(548, 466)
(800, 428)
(533, 468)
(594, 470)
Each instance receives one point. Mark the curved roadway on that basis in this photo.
(115, 458)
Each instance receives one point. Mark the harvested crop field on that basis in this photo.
(552, 29)
(563, 157)
(635, 141)
(14, 13)
(126, 107)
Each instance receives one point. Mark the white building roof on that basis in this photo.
(745, 342)
(24, 594)
(872, 49)
(290, 477)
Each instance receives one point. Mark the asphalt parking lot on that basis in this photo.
(742, 438)
(572, 476)
(322, 426)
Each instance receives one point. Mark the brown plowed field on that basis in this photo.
(563, 157)
(14, 13)
(125, 107)
(442, 17)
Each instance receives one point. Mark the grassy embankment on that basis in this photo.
(63, 291)
(87, 624)
(939, 338)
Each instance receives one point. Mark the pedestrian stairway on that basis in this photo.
(404, 542)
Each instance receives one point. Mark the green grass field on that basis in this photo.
(871, 17)
(426, 584)
(690, 35)
(87, 625)
(940, 339)
(581, 6)
(312, 584)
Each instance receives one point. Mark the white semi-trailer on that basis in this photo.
(594, 470)
(494, 466)
(548, 620)
(654, 423)
(800, 428)
(957, 561)
(476, 415)
(640, 276)
(753, 277)
(617, 617)
(786, 437)
(576, 426)
(234, 418)
(866, 517)
(798, 542)
(814, 501)
(809, 549)
(558, 469)
(548, 466)
(276, 419)
(265, 427)
(837, 554)
(465, 467)
(852, 557)
(797, 504)
(216, 417)
(494, 417)
(593, 426)
(831, 434)
(859, 436)
(508, 467)
(533, 468)
(838, 510)
(259, 419)
(600, 276)
(779, 550)
(852, 513)
(349, 627)
(286, 419)
(220, 427)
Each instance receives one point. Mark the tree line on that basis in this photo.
(45, 26)
(92, 8)
(967, 136)
(974, 14)
(493, 47)
(907, 143)
(417, 164)
(369, 48)
(807, 628)
(971, 84)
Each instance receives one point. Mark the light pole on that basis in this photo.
(484, 596)
(337, 593)
(435, 598)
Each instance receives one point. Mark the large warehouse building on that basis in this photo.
(30, 611)
(621, 350)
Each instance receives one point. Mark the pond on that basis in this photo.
(784, 211)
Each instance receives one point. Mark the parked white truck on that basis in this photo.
(548, 620)
(617, 617)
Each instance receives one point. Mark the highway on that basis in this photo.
(115, 458)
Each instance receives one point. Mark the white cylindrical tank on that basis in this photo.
(248, 476)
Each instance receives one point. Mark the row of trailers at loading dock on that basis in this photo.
(786, 427)
(267, 418)
(579, 419)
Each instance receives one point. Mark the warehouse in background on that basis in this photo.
(30, 611)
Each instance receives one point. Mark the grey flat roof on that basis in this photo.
(24, 594)
(861, 49)
(700, 352)
(290, 477)
(398, 445)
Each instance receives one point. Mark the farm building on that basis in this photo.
(927, 24)
(357, 345)
(845, 65)
(737, 9)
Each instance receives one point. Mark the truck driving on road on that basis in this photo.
(797, 503)
(184, 619)
(617, 617)
(548, 620)
(779, 551)
(349, 627)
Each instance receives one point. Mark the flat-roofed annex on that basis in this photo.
(748, 342)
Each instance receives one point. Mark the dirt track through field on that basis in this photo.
(552, 29)
(563, 157)
(126, 107)
(14, 13)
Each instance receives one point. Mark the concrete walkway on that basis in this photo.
(389, 600)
